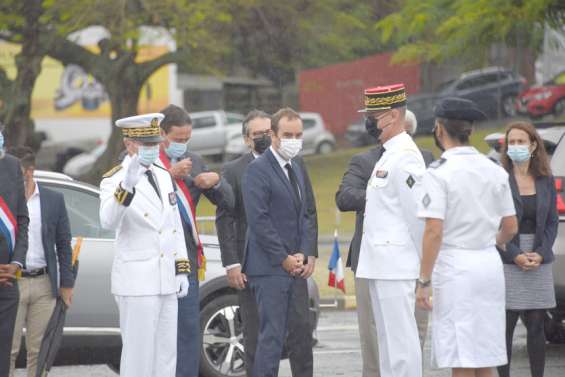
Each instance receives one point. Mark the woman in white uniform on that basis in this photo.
(468, 208)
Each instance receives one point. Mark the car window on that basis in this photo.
(308, 123)
(203, 122)
(471, 83)
(83, 210)
(234, 118)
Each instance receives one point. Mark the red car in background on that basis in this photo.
(548, 98)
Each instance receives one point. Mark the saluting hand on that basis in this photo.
(134, 173)
(424, 298)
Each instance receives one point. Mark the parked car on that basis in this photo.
(545, 99)
(493, 89)
(553, 135)
(92, 334)
(317, 138)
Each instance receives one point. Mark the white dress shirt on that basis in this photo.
(35, 253)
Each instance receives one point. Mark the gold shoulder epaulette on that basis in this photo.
(112, 171)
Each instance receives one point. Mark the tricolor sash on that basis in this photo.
(8, 226)
(188, 215)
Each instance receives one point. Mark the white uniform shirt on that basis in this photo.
(392, 233)
(35, 257)
(471, 194)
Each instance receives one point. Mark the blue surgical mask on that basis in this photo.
(519, 153)
(148, 154)
(176, 150)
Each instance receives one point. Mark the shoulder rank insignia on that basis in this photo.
(381, 174)
(112, 171)
(437, 163)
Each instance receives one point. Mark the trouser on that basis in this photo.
(535, 341)
(250, 326)
(35, 308)
(368, 329)
(280, 300)
(149, 335)
(393, 303)
(189, 334)
(8, 311)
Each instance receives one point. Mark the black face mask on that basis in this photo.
(261, 143)
(371, 127)
(437, 142)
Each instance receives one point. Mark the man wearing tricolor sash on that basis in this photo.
(193, 179)
(14, 222)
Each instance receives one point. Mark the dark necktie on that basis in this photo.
(152, 182)
(293, 182)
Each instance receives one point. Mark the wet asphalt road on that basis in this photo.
(338, 354)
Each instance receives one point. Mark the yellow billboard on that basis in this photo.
(67, 91)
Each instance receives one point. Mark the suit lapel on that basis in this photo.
(44, 216)
(282, 176)
(516, 195)
(541, 205)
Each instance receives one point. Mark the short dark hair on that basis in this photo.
(285, 112)
(253, 114)
(175, 116)
(459, 130)
(24, 154)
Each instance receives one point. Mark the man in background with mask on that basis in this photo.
(14, 221)
(277, 244)
(392, 233)
(149, 273)
(232, 227)
(193, 178)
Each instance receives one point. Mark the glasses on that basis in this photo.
(259, 133)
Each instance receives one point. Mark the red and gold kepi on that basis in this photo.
(384, 98)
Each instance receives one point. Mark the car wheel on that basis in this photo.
(325, 147)
(553, 326)
(509, 106)
(559, 108)
(222, 338)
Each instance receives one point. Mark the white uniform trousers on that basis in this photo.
(393, 303)
(149, 335)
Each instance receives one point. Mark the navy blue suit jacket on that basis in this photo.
(547, 220)
(277, 225)
(56, 237)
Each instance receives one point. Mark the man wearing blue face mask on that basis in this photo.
(193, 178)
(150, 269)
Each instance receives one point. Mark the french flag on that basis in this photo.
(336, 278)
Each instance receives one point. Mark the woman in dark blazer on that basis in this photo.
(529, 256)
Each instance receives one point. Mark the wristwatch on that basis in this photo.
(424, 282)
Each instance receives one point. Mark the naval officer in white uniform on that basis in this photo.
(150, 269)
(468, 207)
(390, 245)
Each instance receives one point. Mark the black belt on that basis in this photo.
(34, 273)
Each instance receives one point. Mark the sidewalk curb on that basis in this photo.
(347, 302)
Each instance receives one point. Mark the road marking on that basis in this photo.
(337, 328)
(334, 352)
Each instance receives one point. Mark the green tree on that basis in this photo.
(437, 30)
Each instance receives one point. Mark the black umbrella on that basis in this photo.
(53, 335)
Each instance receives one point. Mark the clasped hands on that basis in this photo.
(204, 181)
(528, 261)
(294, 265)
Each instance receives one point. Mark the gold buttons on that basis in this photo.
(175, 254)
(174, 231)
(162, 254)
(145, 214)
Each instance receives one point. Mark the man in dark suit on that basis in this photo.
(232, 227)
(278, 237)
(48, 262)
(14, 222)
(193, 178)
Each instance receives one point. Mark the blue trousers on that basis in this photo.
(189, 336)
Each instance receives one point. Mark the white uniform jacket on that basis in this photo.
(392, 233)
(149, 234)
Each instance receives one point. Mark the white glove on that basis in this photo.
(182, 285)
(134, 174)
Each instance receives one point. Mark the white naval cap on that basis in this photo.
(143, 127)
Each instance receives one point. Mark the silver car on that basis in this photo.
(92, 334)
